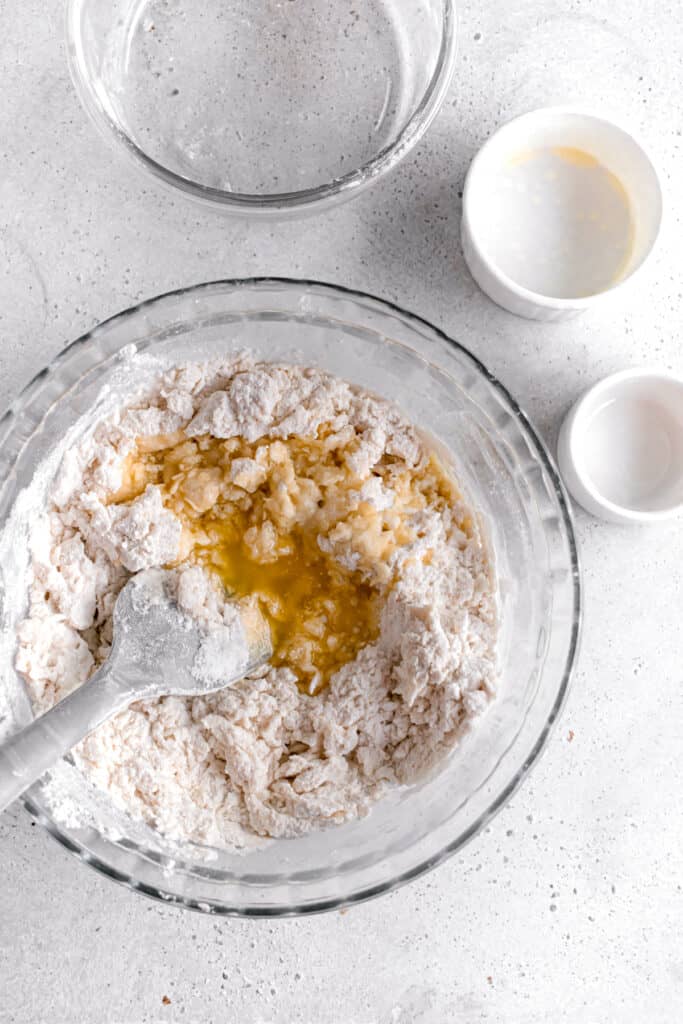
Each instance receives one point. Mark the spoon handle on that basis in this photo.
(35, 749)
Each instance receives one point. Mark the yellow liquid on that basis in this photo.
(263, 541)
(320, 616)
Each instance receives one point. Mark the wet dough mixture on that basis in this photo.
(286, 486)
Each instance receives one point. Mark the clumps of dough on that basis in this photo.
(261, 758)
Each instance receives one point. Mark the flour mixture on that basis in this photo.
(287, 487)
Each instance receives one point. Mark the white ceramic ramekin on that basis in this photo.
(620, 449)
(488, 190)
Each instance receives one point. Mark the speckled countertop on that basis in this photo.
(568, 908)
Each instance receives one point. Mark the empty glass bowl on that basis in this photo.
(263, 105)
(502, 467)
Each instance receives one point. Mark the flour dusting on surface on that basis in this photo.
(262, 757)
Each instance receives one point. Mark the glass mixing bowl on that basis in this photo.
(263, 105)
(502, 467)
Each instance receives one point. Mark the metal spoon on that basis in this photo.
(157, 651)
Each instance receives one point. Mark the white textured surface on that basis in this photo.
(569, 907)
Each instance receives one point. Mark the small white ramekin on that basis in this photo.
(567, 128)
(620, 449)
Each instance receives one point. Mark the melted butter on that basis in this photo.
(320, 616)
(258, 530)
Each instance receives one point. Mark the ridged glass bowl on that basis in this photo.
(503, 468)
(263, 106)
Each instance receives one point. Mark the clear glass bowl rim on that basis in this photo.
(339, 190)
(391, 309)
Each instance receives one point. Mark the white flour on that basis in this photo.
(259, 757)
(176, 623)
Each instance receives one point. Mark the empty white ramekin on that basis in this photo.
(507, 178)
(620, 449)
